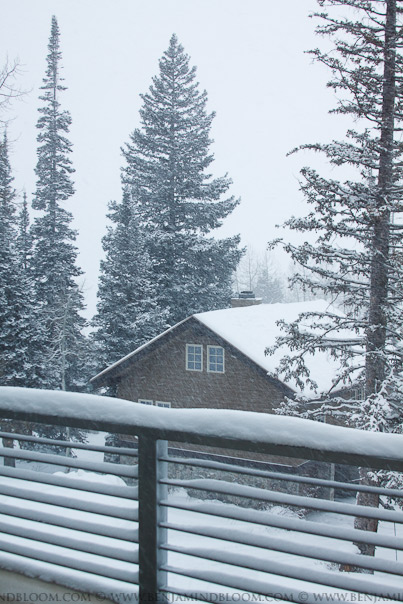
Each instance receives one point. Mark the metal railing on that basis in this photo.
(171, 525)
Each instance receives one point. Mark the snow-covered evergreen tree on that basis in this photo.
(356, 259)
(178, 202)
(58, 298)
(16, 326)
(8, 262)
(24, 237)
(127, 315)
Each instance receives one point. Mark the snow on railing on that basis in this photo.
(203, 517)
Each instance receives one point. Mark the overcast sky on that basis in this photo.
(268, 96)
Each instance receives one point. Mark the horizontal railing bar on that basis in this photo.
(288, 547)
(275, 449)
(70, 462)
(63, 501)
(291, 571)
(77, 484)
(295, 524)
(246, 462)
(85, 526)
(273, 435)
(62, 576)
(72, 543)
(280, 476)
(234, 489)
(93, 567)
(69, 444)
(246, 584)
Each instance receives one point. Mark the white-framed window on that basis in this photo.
(359, 392)
(163, 404)
(194, 357)
(215, 359)
(145, 401)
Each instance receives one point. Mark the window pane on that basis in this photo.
(216, 359)
(194, 357)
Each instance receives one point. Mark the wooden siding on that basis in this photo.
(161, 375)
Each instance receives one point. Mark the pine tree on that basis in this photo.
(357, 256)
(16, 334)
(127, 312)
(58, 298)
(8, 264)
(178, 202)
(24, 237)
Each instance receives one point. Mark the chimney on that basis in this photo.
(245, 298)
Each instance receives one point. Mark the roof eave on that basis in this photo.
(104, 377)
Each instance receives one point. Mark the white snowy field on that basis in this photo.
(88, 571)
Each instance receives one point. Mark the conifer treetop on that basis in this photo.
(171, 151)
(53, 77)
(54, 268)
(54, 166)
(172, 203)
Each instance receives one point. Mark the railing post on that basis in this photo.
(151, 536)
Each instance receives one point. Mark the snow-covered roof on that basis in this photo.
(251, 329)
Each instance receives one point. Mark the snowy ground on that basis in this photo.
(62, 565)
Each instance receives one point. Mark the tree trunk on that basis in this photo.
(367, 524)
(375, 368)
(377, 320)
(9, 444)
